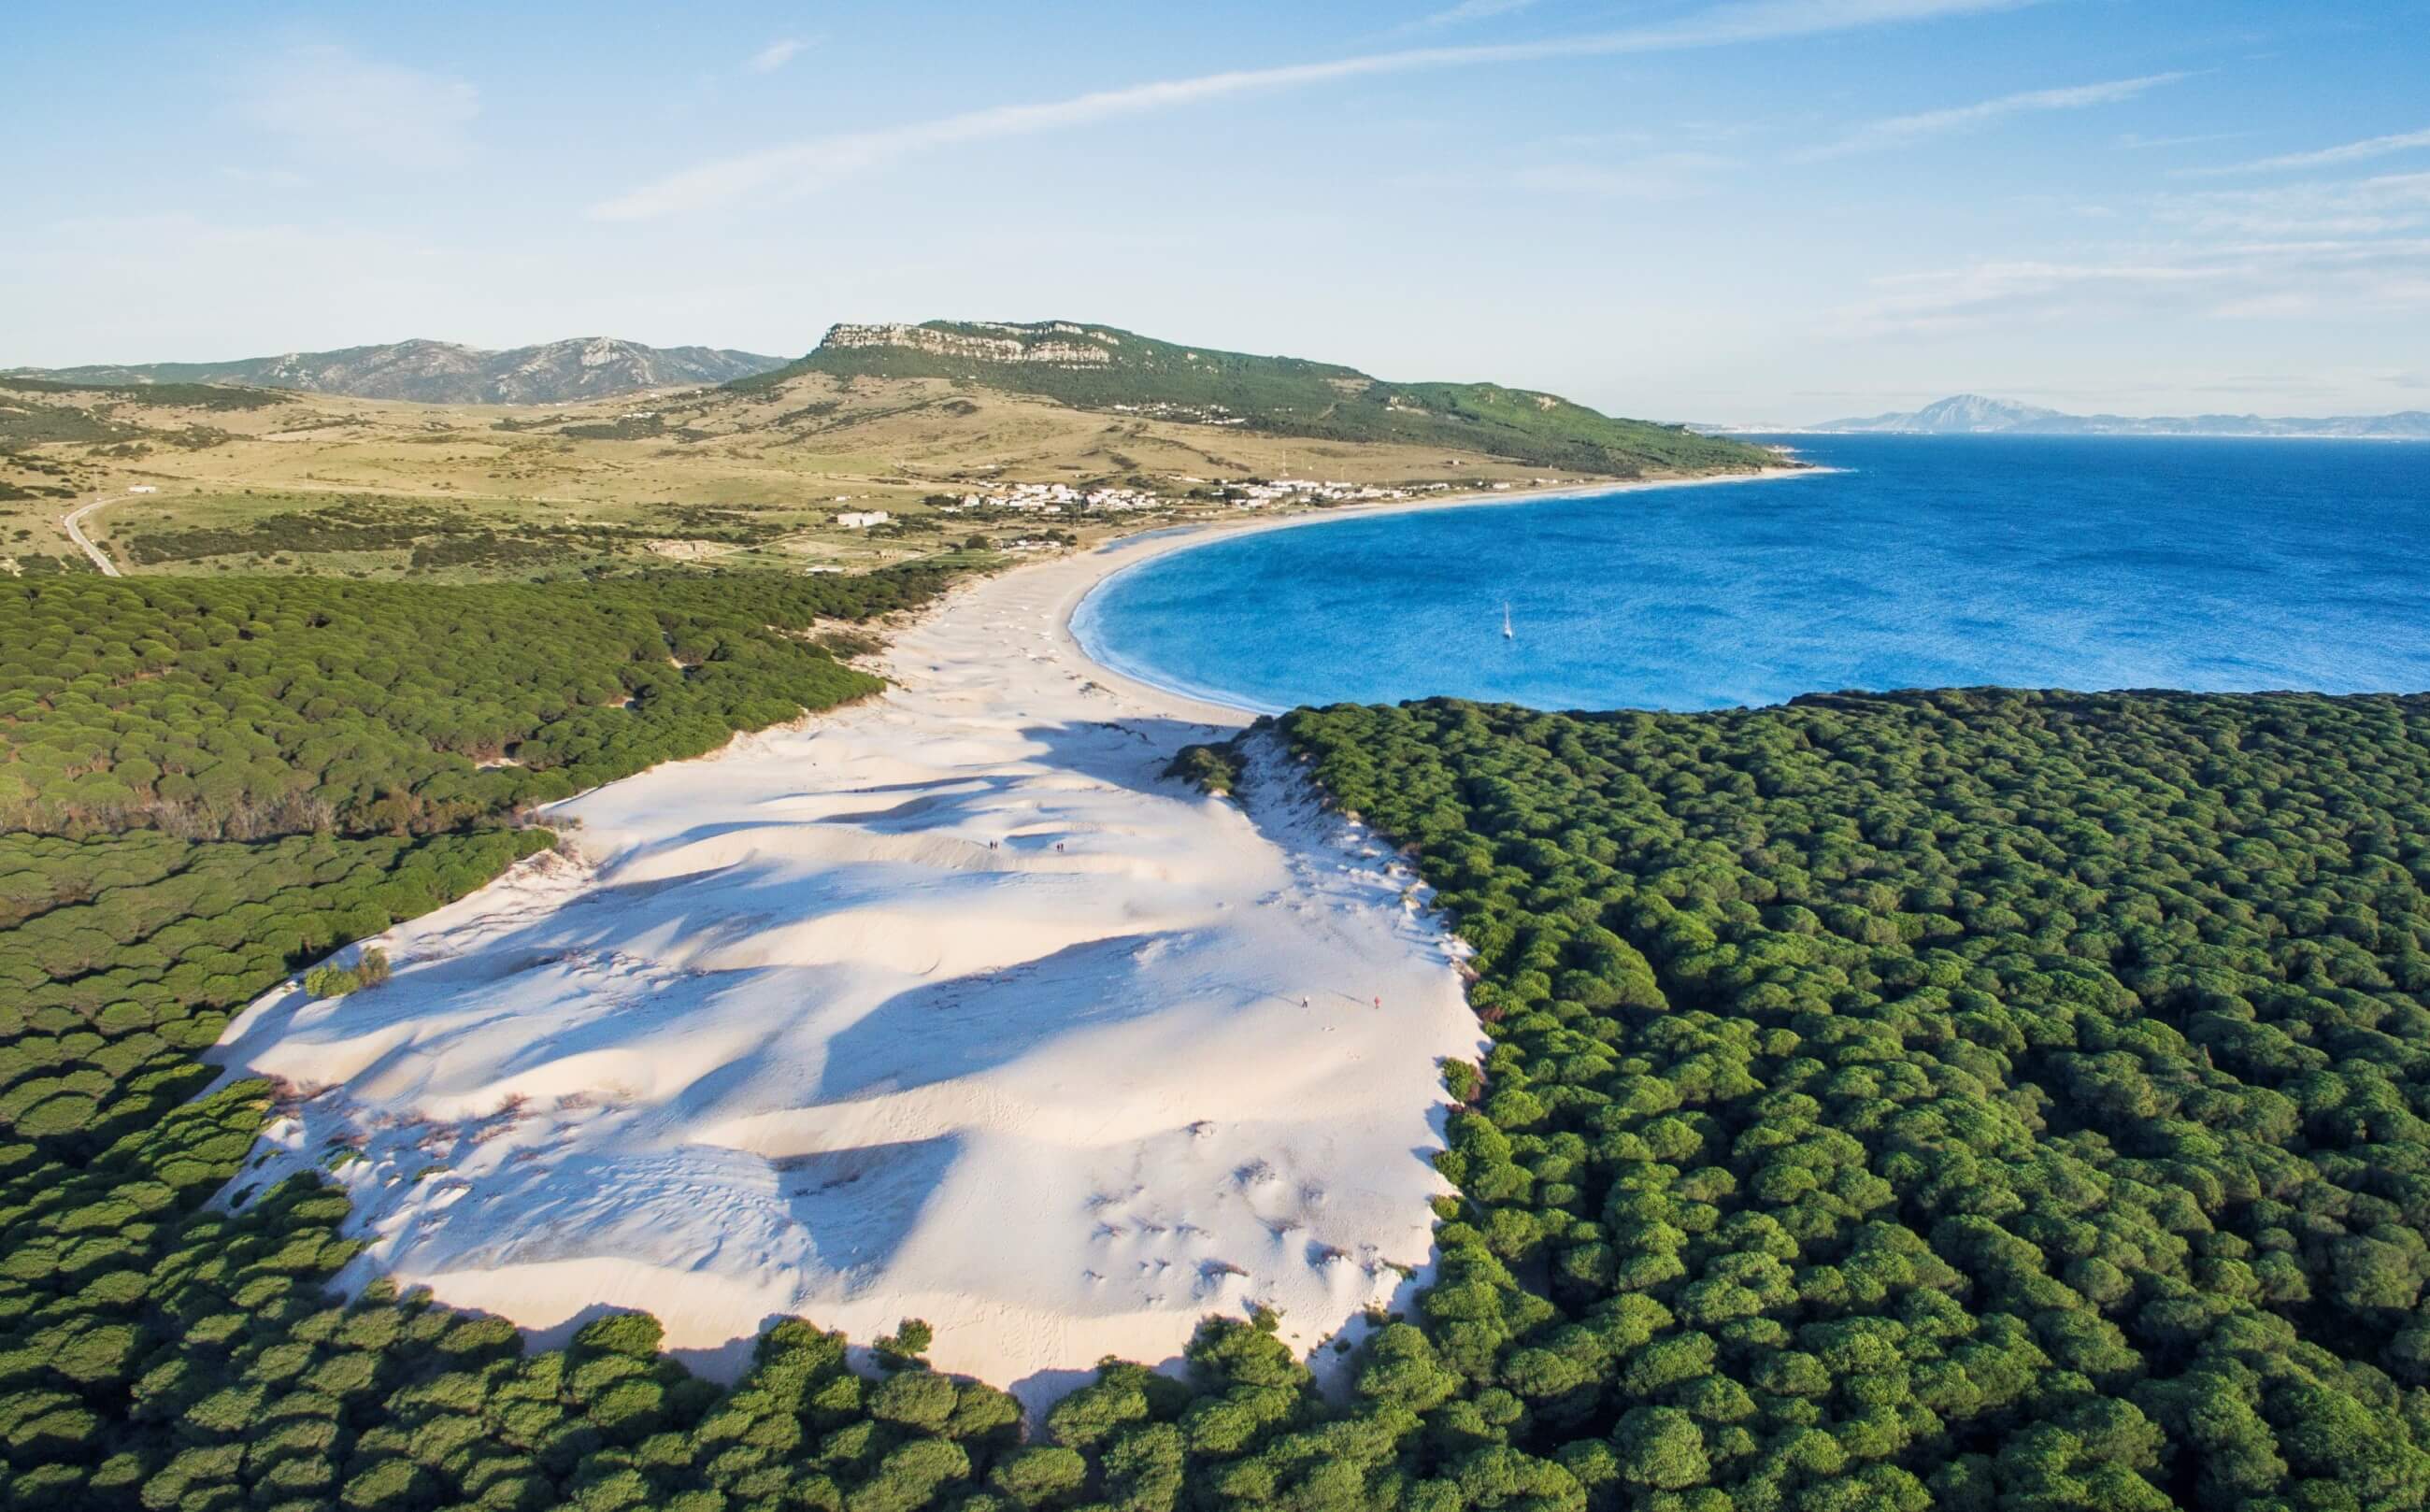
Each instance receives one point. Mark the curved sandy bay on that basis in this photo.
(946, 1006)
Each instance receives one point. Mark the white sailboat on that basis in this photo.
(1506, 633)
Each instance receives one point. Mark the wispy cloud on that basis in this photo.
(776, 55)
(2135, 141)
(825, 159)
(2351, 152)
(1462, 13)
(2379, 206)
(2252, 280)
(1905, 130)
(335, 105)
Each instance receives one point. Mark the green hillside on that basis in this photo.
(1096, 367)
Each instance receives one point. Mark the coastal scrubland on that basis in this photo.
(337, 486)
(1096, 367)
(752, 474)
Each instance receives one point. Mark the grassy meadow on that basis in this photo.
(714, 477)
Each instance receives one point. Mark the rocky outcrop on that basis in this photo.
(1021, 344)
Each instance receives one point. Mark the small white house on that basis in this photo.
(860, 519)
(143, 488)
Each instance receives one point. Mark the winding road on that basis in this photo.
(74, 519)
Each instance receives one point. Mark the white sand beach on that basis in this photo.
(946, 1006)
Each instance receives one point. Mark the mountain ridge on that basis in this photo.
(1092, 366)
(429, 372)
(1969, 414)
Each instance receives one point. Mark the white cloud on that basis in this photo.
(2237, 281)
(2351, 152)
(823, 160)
(1900, 131)
(776, 55)
(2132, 142)
(2348, 207)
(1979, 294)
(1464, 13)
(333, 105)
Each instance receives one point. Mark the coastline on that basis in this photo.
(1125, 553)
(948, 1004)
(833, 1021)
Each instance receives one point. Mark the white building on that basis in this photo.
(858, 519)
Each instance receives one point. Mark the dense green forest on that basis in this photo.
(1978, 1099)
(1288, 396)
(259, 706)
(1970, 1099)
(161, 1352)
(240, 777)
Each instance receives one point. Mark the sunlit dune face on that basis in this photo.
(946, 1007)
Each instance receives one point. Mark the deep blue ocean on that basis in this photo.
(2084, 563)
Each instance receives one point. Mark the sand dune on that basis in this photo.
(945, 1006)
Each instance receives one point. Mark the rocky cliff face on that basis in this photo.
(1098, 367)
(1056, 342)
(445, 373)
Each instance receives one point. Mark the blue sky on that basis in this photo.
(1700, 210)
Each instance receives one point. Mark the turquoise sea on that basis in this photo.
(2085, 563)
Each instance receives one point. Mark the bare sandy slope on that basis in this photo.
(945, 1007)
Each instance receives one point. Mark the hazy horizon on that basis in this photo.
(1741, 211)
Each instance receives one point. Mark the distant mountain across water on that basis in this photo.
(444, 372)
(1971, 415)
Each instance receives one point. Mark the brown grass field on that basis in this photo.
(320, 483)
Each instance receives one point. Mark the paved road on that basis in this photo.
(74, 519)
